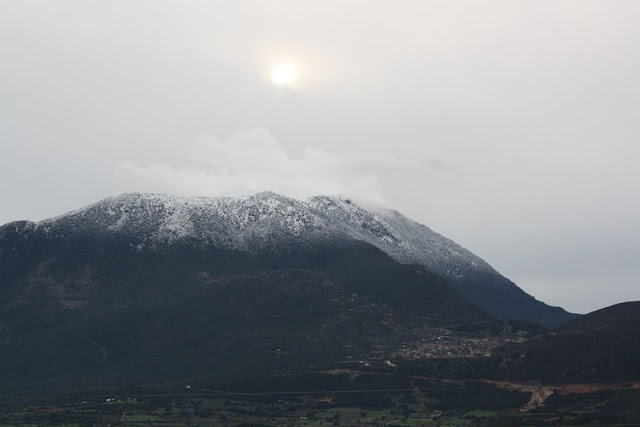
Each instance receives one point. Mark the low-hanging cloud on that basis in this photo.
(255, 161)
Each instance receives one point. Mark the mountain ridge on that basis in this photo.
(264, 221)
(600, 346)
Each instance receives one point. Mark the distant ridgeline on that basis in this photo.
(602, 346)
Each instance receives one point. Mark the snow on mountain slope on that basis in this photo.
(406, 241)
(251, 222)
(266, 221)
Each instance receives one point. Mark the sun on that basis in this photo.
(284, 73)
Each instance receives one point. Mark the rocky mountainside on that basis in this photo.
(85, 304)
(268, 222)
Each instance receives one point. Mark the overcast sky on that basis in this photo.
(509, 126)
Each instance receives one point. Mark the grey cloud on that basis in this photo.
(254, 161)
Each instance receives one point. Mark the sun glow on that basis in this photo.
(284, 73)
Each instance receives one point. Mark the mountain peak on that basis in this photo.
(267, 222)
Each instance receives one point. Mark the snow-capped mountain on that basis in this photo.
(269, 222)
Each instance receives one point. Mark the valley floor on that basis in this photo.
(429, 402)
